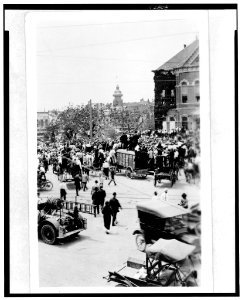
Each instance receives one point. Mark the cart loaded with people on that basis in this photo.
(135, 163)
(165, 168)
(169, 237)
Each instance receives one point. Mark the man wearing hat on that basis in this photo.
(115, 205)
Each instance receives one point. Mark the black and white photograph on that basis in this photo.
(119, 149)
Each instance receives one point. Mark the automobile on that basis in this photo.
(162, 219)
(56, 223)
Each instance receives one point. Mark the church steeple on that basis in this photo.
(117, 101)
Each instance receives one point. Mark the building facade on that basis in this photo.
(177, 91)
(43, 120)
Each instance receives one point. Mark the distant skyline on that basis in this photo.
(83, 55)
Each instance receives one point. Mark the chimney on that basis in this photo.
(185, 45)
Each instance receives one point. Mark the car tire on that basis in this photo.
(48, 234)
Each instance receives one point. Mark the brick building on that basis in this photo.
(177, 93)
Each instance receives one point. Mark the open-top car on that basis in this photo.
(54, 222)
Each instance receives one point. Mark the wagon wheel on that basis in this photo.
(48, 234)
(140, 242)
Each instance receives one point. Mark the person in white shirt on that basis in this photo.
(106, 169)
(63, 190)
(164, 195)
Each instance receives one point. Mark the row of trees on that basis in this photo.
(80, 119)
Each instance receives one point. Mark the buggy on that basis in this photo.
(165, 169)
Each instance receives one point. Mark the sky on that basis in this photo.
(83, 55)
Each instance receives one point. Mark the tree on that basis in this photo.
(76, 119)
(52, 130)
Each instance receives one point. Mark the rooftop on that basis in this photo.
(180, 59)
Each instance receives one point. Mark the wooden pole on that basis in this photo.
(90, 103)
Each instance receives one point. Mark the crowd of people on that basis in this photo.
(74, 160)
(83, 155)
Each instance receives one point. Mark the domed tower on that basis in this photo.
(117, 101)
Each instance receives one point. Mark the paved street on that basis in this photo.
(83, 261)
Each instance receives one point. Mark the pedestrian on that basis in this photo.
(77, 181)
(155, 197)
(164, 195)
(95, 202)
(115, 206)
(96, 185)
(184, 201)
(84, 181)
(107, 213)
(101, 196)
(106, 169)
(63, 190)
(101, 178)
(112, 174)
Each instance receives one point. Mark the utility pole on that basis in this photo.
(90, 107)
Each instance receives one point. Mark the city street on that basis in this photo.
(86, 259)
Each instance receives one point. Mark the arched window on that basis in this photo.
(197, 90)
(184, 91)
(42, 123)
(46, 122)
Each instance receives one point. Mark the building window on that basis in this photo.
(46, 122)
(42, 123)
(184, 123)
(172, 93)
(197, 90)
(172, 119)
(184, 91)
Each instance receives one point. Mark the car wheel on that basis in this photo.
(48, 234)
(140, 242)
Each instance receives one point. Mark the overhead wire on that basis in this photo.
(120, 41)
(109, 23)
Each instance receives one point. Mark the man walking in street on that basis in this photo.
(96, 185)
(115, 205)
(77, 182)
(101, 196)
(63, 190)
(84, 181)
(112, 174)
(95, 202)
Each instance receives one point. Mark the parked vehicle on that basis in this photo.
(170, 237)
(165, 169)
(135, 163)
(54, 222)
(161, 219)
